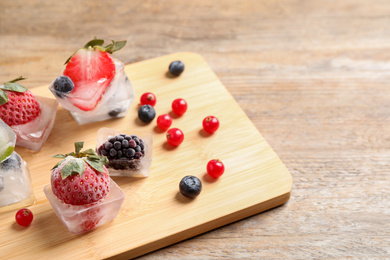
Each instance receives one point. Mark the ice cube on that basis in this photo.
(16, 182)
(130, 168)
(115, 101)
(33, 134)
(80, 219)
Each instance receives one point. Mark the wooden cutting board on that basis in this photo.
(154, 213)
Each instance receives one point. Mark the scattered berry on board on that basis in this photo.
(148, 98)
(17, 104)
(190, 186)
(210, 124)
(24, 217)
(146, 113)
(215, 168)
(81, 177)
(176, 68)
(179, 106)
(164, 121)
(175, 136)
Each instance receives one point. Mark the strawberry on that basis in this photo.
(91, 69)
(17, 104)
(81, 177)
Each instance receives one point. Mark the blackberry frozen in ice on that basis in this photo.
(128, 155)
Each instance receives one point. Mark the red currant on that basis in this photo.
(175, 136)
(148, 98)
(210, 124)
(179, 106)
(215, 168)
(24, 217)
(164, 121)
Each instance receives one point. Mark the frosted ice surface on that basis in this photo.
(144, 163)
(33, 135)
(80, 219)
(15, 180)
(115, 101)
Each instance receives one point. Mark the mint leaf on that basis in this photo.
(3, 97)
(72, 167)
(96, 165)
(7, 153)
(11, 86)
(78, 146)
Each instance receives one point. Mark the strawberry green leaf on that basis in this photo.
(89, 152)
(78, 146)
(115, 46)
(7, 153)
(93, 43)
(58, 164)
(94, 164)
(93, 157)
(67, 61)
(72, 167)
(3, 97)
(61, 156)
(15, 80)
(11, 86)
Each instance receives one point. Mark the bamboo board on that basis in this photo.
(154, 213)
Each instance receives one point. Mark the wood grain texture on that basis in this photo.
(154, 213)
(312, 75)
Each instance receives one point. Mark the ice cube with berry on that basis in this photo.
(15, 183)
(93, 85)
(128, 154)
(82, 193)
(30, 117)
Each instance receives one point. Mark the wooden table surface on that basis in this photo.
(313, 76)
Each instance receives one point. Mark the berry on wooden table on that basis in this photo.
(175, 136)
(176, 68)
(190, 186)
(146, 113)
(179, 106)
(24, 217)
(148, 98)
(210, 124)
(164, 121)
(215, 168)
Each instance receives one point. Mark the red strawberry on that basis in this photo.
(91, 69)
(17, 104)
(81, 178)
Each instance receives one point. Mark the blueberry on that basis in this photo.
(104, 152)
(119, 138)
(115, 112)
(112, 139)
(190, 186)
(117, 145)
(137, 148)
(128, 137)
(146, 113)
(119, 154)
(176, 68)
(12, 163)
(63, 84)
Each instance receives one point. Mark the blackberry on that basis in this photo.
(176, 68)
(123, 152)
